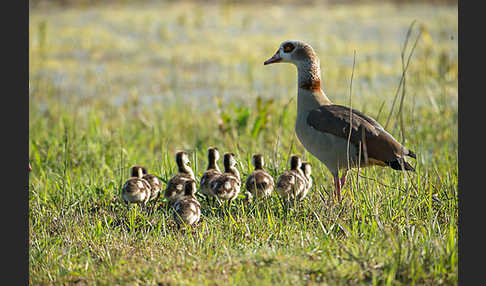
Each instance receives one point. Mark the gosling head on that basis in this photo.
(306, 168)
(182, 160)
(229, 160)
(138, 171)
(213, 154)
(293, 51)
(295, 162)
(190, 188)
(257, 161)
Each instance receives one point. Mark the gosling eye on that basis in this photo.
(288, 47)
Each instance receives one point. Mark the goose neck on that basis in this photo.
(310, 94)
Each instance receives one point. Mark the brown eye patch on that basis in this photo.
(288, 47)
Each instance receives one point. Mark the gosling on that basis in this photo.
(187, 208)
(227, 185)
(210, 174)
(306, 168)
(175, 186)
(154, 181)
(136, 189)
(259, 183)
(292, 183)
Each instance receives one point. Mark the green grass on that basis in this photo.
(114, 86)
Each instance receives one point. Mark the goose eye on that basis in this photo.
(287, 48)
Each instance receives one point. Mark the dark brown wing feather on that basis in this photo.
(380, 145)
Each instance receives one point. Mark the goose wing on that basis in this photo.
(378, 144)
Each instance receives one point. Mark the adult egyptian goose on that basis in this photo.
(175, 186)
(306, 168)
(259, 183)
(227, 185)
(136, 189)
(187, 208)
(323, 128)
(291, 182)
(211, 173)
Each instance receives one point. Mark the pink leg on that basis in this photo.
(337, 184)
(343, 178)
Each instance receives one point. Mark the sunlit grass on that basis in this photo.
(121, 85)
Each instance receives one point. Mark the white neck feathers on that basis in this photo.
(310, 94)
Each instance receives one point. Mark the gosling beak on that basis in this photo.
(275, 59)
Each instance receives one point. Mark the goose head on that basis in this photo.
(293, 51)
(257, 161)
(308, 67)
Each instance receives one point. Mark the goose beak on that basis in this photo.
(275, 59)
